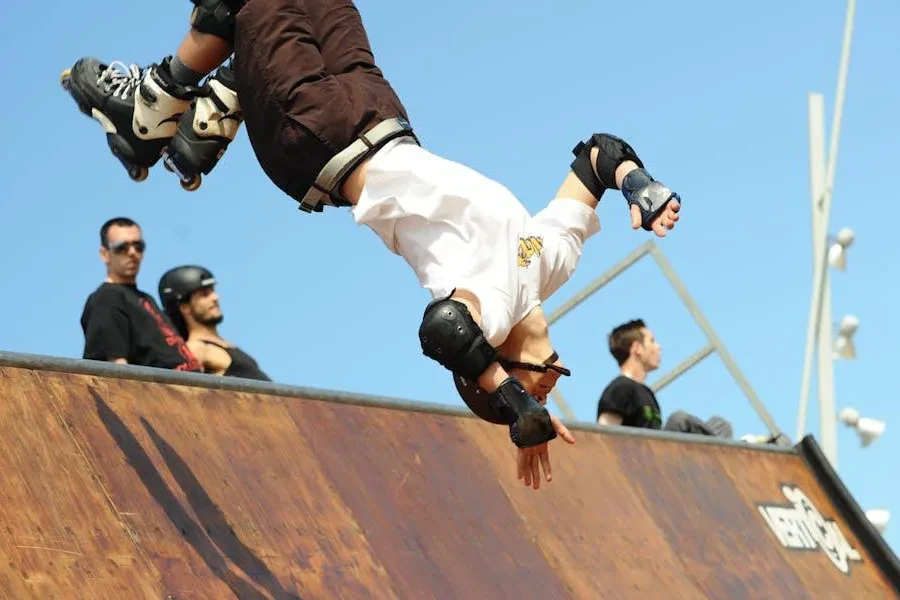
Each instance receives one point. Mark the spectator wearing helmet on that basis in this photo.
(121, 323)
(189, 297)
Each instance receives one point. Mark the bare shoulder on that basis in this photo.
(213, 357)
(198, 348)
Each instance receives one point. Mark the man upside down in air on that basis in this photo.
(329, 130)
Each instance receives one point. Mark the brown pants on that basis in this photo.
(308, 85)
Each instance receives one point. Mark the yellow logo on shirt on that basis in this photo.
(529, 247)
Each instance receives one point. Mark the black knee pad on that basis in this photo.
(216, 17)
(450, 336)
(612, 152)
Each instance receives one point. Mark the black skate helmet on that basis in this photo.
(176, 285)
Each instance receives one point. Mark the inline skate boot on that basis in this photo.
(139, 108)
(206, 129)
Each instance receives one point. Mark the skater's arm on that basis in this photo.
(494, 375)
(565, 226)
(491, 379)
(606, 161)
(573, 188)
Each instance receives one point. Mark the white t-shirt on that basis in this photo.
(458, 229)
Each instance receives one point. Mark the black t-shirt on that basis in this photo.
(242, 364)
(633, 400)
(120, 321)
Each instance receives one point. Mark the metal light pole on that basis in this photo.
(821, 188)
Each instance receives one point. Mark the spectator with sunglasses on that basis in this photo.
(121, 323)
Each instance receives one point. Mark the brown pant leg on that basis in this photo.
(342, 38)
(298, 112)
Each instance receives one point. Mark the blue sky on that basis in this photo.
(713, 96)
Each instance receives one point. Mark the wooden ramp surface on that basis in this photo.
(123, 487)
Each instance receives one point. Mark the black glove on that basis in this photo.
(529, 421)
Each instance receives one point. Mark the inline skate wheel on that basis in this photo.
(193, 184)
(138, 173)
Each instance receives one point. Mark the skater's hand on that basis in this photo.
(652, 204)
(532, 460)
(664, 221)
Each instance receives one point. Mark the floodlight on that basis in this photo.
(845, 237)
(848, 326)
(849, 416)
(879, 518)
(843, 345)
(869, 430)
(837, 252)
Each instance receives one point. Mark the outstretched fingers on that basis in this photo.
(531, 461)
(663, 223)
(522, 471)
(561, 430)
(545, 464)
(529, 465)
(536, 466)
(635, 217)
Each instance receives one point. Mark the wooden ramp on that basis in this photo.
(135, 483)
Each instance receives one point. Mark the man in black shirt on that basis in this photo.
(121, 323)
(628, 401)
(190, 300)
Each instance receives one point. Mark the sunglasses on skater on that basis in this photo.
(547, 366)
(122, 247)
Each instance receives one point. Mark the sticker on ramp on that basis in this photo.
(799, 525)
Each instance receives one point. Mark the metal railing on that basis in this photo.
(714, 343)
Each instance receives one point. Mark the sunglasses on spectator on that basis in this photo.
(122, 247)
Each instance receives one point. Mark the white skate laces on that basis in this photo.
(122, 79)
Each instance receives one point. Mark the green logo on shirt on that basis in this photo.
(651, 416)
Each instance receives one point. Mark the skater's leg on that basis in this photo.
(210, 39)
(342, 38)
(197, 55)
(302, 109)
(206, 130)
(213, 120)
(137, 130)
